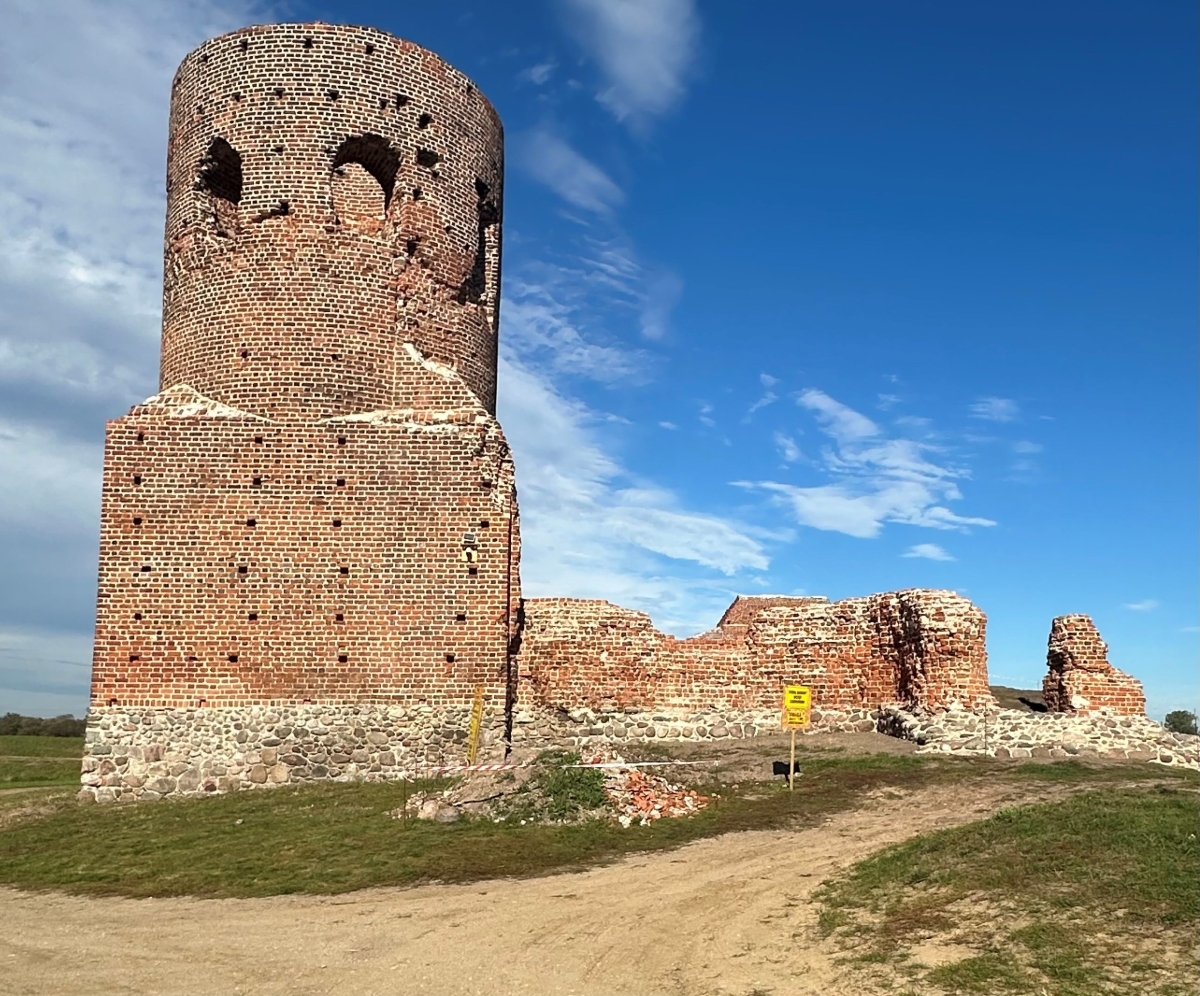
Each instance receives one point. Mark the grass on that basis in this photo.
(337, 838)
(1122, 864)
(29, 761)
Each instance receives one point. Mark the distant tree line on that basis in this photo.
(32, 726)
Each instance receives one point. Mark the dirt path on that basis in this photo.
(729, 916)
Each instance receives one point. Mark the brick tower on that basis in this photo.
(313, 524)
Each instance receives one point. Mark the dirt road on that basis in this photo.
(729, 916)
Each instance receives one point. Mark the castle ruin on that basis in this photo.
(310, 542)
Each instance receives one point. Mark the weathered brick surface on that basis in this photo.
(319, 506)
(1080, 679)
(923, 648)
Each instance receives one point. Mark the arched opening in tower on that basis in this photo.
(364, 173)
(220, 179)
(478, 287)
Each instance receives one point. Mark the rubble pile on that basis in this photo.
(643, 798)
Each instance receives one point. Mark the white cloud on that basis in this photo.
(668, 425)
(787, 447)
(1146, 605)
(876, 480)
(769, 396)
(927, 551)
(645, 48)
(590, 529)
(1024, 446)
(539, 74)
(995, 409)
(552, 161)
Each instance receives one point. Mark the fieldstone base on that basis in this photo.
(583, 727)
(147, 754)
(1014, 733)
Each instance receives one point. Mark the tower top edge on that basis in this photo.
(317, 29)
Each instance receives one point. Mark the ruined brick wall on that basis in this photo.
(1080, 678)
(923, 648)
(319, 506)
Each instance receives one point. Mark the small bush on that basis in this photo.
(1181, 721)
(14, 724)
(568, 792)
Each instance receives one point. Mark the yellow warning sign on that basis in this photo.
(797, 702)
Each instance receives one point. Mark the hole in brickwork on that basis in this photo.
(341, 440)
(137, 520)
(243, 569)
(337, 523)
(252, 523)
(256, 482)
(410, 246)
(137, 478)
(237, 96)
(424, 120)
(233, 658)
(484, 524)
(383, 103)
(308, 42)
(460, 617)
(332, 95)
(449, 658)
(137, 616)
(221, 171)
(427, 158)
(472, 571)
(201, 703)
(113, 702)
(370, 48)
(243, 44)
(252, 616)
(258, 439)
(341, 482)
(417, 193)
(141, 437)
(204, 57)
(192, 660)
(280, 210)
(339, 617)
(374, 154)
(401, 99)
(134, 657)
(485, 484)
(277, 149)
(145, 568)
(279, 91)
(342, 658)
(334, 357)
(244, 354)
(343, 570)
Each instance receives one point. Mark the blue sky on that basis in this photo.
(822, 298)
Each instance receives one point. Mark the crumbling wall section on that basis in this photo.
(922, 648)
(1080, 679)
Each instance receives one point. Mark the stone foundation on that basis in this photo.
(1011, 733)
(151, 753)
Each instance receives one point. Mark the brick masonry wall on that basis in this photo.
(1080, 679)
(922, 648)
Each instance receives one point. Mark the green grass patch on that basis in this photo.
(17, 772)
(26, 746)
(1118, 860)
(337, 838)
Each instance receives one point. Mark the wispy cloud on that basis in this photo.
(645, 48)
(552, 161)
(592, 529)
(993, 409)
(927, 551)
(787, 447)
(769, 397)
(1146, 605)
(538, 74)
(876, 480)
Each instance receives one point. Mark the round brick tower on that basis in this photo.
(332, 193)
